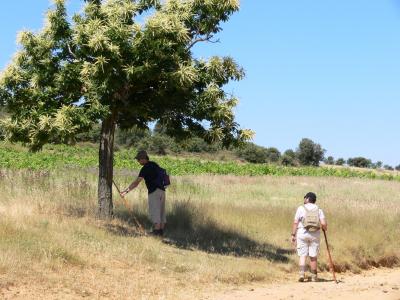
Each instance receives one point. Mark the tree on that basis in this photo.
(309, 153)
(340, 162)
(360, 162)
(108, 67)
(397, 168)
(379, 164)
(329, 160)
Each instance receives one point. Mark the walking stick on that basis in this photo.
(330, 258)
(138, 225)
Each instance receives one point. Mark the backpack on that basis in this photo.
(162, 177)
(311, 219)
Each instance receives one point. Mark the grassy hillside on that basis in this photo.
(59, 157)
(222, 230)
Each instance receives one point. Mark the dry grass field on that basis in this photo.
(222, 231)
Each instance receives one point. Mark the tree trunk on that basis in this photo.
(106, 156)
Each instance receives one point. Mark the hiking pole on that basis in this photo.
(330, 257)
(141, 229)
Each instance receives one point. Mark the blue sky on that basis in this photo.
(326, 70)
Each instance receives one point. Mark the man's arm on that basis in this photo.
(324, 224)
(294, 231)
(133, 185)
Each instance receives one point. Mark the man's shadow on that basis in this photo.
(189, 228)
(321, 280)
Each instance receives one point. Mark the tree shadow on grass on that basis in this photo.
(189, 228)
(122, 230)
(134, 220)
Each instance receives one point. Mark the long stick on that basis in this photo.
(330, 257)
(141, 229)
(123, 198)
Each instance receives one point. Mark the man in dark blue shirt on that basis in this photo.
(150, 173)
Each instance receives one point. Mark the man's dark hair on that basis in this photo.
(142, 155)
(312, 198)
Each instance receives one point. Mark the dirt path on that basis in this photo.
(382, 284)
(379, 284)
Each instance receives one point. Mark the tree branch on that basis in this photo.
(207, 38)
(70, 51)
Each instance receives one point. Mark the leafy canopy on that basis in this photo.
(131, 61)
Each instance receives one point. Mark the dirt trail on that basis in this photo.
(379, 284)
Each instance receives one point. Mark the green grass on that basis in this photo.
(58, 157)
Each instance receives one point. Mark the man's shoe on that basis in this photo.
(301, 278)
(156, 232)
(314, 277)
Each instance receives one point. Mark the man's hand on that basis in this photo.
(324, 225)
(293, 239)
(124, 192)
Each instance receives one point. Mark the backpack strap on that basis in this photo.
(307, 210)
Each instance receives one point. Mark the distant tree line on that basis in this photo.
(307, 153)
(359, 162)
(156, 141)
